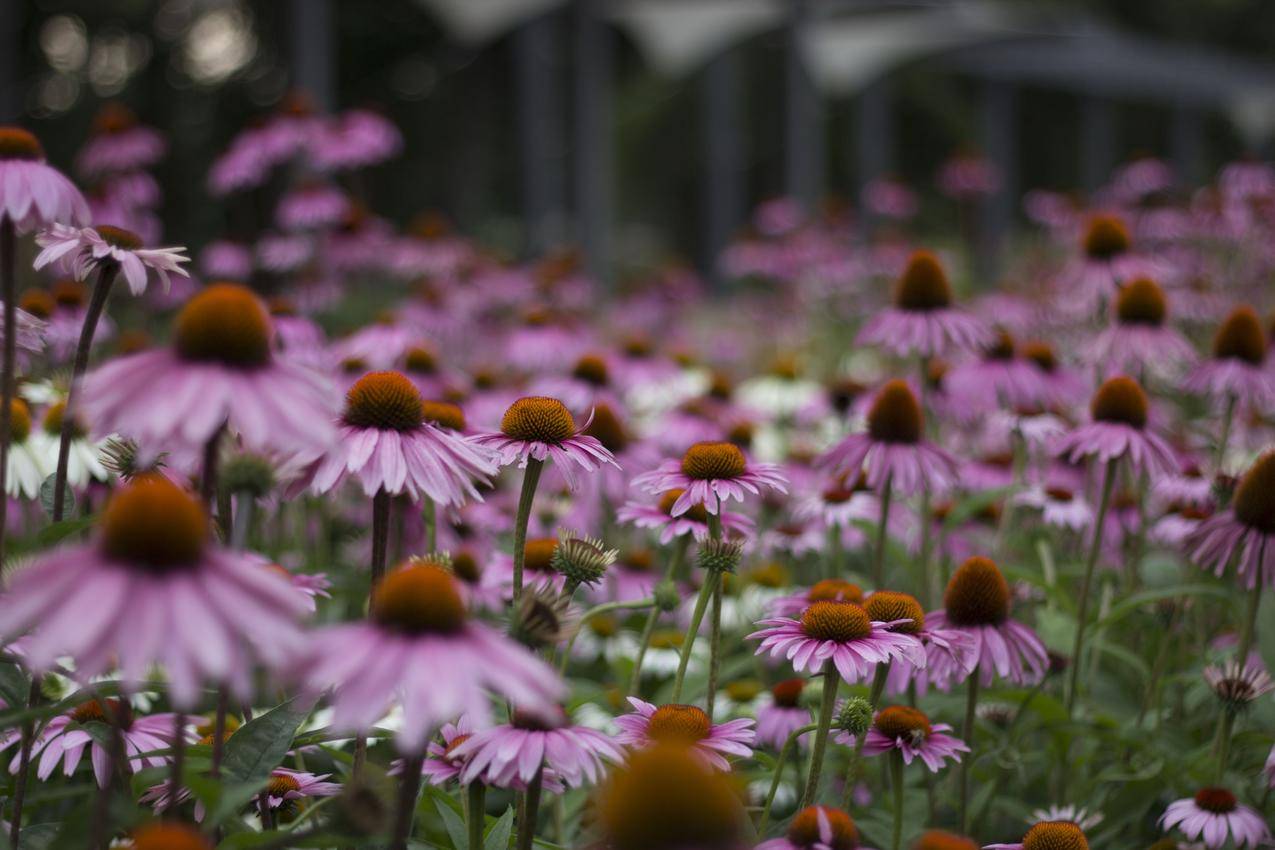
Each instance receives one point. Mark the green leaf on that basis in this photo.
(59, 531)
(498, 835)
(259, 746)
(1137, 600)
(15, 687)
(455, 825)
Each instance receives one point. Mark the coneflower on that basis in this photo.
(922, 320)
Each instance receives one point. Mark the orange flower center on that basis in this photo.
(607, 429)
(38, 303)
(835, 590)
(683, 724)
(1141, 302)
(1055, 835)
(1106, 238)
(1120, 399)
(420, 360)
(19, 421)
(902, 721)
(538, 554)
(16, 143)
(281, 784)
(387, 401)
(836, 621)
(1255, 496)
(938, 839)
(155, 525)
(923, 286)
(53, 421)
(804, 829)
(977, 594)
(895, 416)
(706, 461)
(443, 414)
(885, 606)
(119, 237)
(1217, 800)
(169, 835)
(788, 692)
(1042, 354)
(591, 369)
(696, 513)
(225, 323)
(1241, 338)
(538, 419)
(419, 599)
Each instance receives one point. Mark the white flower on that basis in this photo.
(81, 250)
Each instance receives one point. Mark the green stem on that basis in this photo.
(530, 479)
(779, 772)
(714, 648)
(1228, 417)
(1082, 610)
(1248, 631)
(878, 563)
(409, 788)
(856, 756)
(896, 773)
(8, 291)
(1222, 742)
(431, 525)
(679, 552)
(831, 680)
(692, 631)
(476, 797)
(527, 829)
(967, 732)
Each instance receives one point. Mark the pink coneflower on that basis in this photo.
(1107, 261)
(1061, 386)
(977, 602)
(1215, 815)
(285, 253)
(315, 206)
(513, 753)
(283, 793)
(119, 143)
(922, 320)
(1060, 507)
(826, 590)
(710, 474)
(64, 739)
(1237, 372)
(893, 452)
(1048, 835)
(392, 441)
(686, 725)
(442, 765)
(539, 428)
(34, 194)
(817, 828)
(694, 521)
(1246, 530)
(842, 503)
(902, 728)
(968, 176)
(81, 250)
(152, 589)
(357, 138)
(218, 372)
(949, 649)
(1000, 378)
(837, 632)
(783, 715)
(1141, 339)
(226, 259)
(1118, 430)
(421, 650)
(890, 199)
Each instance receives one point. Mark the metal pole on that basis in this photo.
(873, 130)
(1000, 146)
(313, 57)
(594, 136)
(803, 136)
(539, 132)
(1097, 143)
(10, 60)
(723, 174)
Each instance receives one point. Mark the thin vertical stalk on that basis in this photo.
(878, 554)
(476, 799)
(431, 525)
(856, 755)
(715, 618)
(896, 774)
(967, 732)
(24, 756)
(97, 302)
(779, 771)
(8, 291)
(831, 681)
(409, 787)
(527, 829)
(1082, 610)
(178, 765)
(1228, 418)
(679, 552)
(530, 478)
(380, 548)
(692, 630)
(219, 731)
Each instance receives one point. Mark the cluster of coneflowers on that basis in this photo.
(515, 563)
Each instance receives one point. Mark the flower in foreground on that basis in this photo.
(1243, 533)
(511, 754)
(218, 372)
(709, 474)
(922, 319)
(977, 602)
(420, 650)
(1048, 835)
(664, 798)
(688, 726)
(150, 589)
(1118, 430)
(539, 428)
(81, 250)
(902, 728)
(817, 828)
(1215, 815)
(392, 440)
(841, 632)
(34, 194)
(893, 450)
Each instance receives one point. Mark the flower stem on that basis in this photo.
(380, 549)
(896, 774)
(409, 787)
(8, 287)
(97, 302)
(1108, 483)
(967, 733)
(24, 756)
(530, 478)
(692, 631)
(779, 772)
(179, 758)
(476, 797)
(878, 554)
(1228, 417)
(715, 618)
(831, 680)
(219, 731)
(679, 552)
(597, 611)
(527, 829)
(852, 770)
(1248, 631)
(431, 525)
